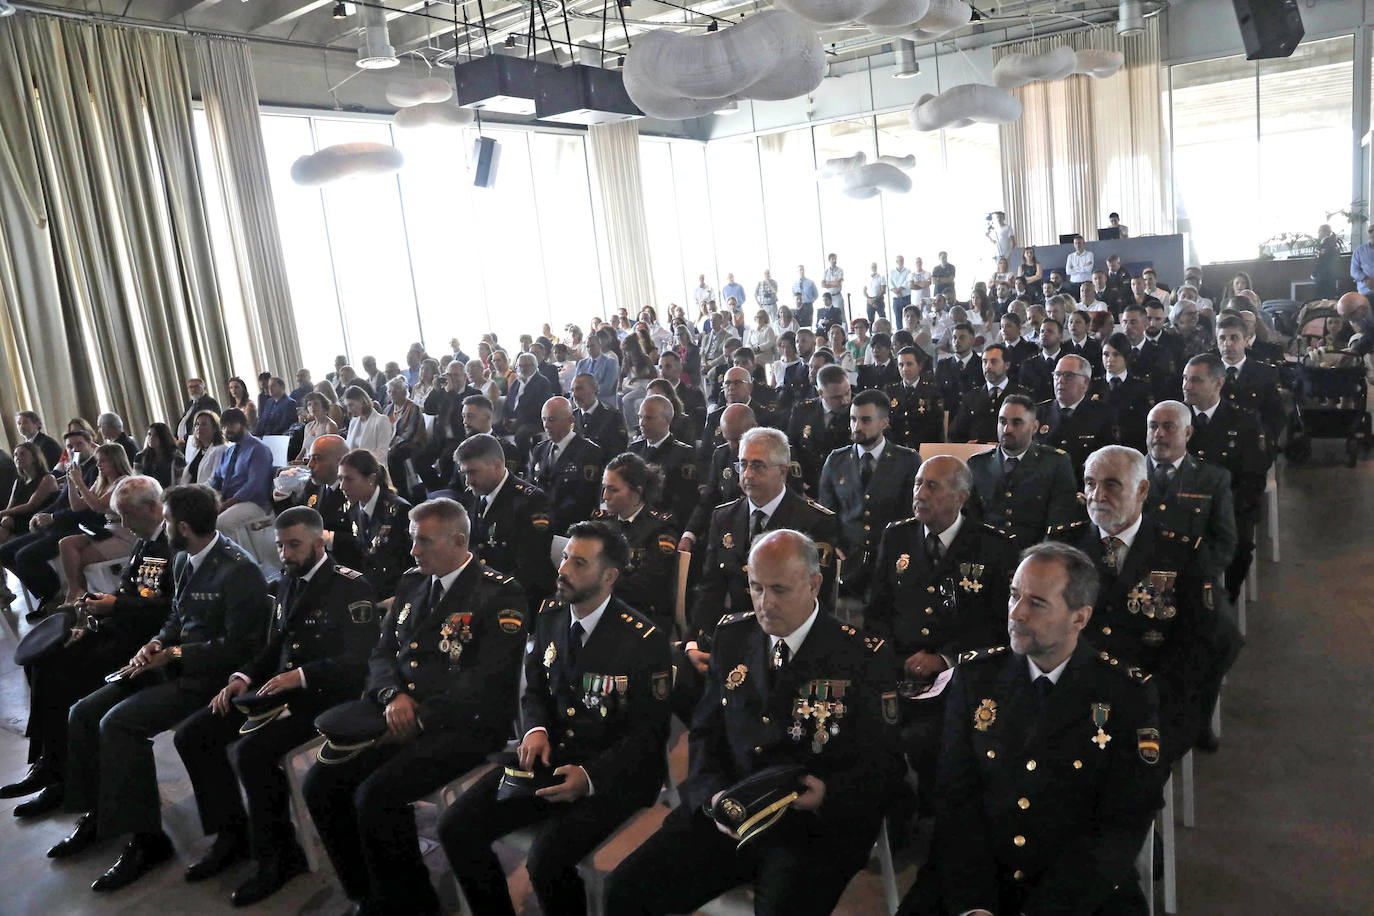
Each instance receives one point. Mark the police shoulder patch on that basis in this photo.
(667, 544)
(540, 521)
(511, 620)
(360, 611)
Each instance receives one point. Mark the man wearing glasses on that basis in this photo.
(1073, 420)
(1362, 266)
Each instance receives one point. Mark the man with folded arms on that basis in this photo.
(322, 629)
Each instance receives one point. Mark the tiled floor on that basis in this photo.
(1283, 810)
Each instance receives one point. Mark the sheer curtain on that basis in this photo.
(106, 273)
(230, 94)
(615, 164)
(1086, 147)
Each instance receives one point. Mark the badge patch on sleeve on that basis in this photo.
(890, 712)
(540, 522)
(663, 682)
(1147, 744)
(360, 611)
(511, 620)
(667, 545)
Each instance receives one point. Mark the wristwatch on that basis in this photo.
(386, 695)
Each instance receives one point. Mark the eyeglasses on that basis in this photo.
(758, 467)
(1068, 375)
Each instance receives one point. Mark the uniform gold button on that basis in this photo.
(930, 588)
(1162, 507)
(414, 664)
(1018, 874)
(572, 711)
(765, 720)
(411, 686)
(1106, 631)
(295, 645)
(1023, 803)
(867, 528)
(758, 750)
(290, 665)
(569, 733)
(1008, 496)
(1019, 840)
(1030, 765)
(925, 631)
(1078, 764)
(415, 645)
(722, 701)
(930, 610)
(992, 755)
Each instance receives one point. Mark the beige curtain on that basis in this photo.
(107, 277)
(1085, 147)
(615, 163)
(230, 94)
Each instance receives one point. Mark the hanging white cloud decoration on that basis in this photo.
(943, 17)
(404, 94)
(772, 55)
(829, 12)
(432, 114)
(897, 13)
(842, 164)
(965, 105)
(1056, 64)
(345, 160)
(901, 162)
(860, 179)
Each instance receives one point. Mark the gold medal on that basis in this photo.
(727, 541)
(985, 715)
(736, 677)
(1100, 712)
(550, 653)
(903, 562)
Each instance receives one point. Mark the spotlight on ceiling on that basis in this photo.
(374, 41)
(713, 26)
(340, 10)
(510, 41)
(1130, 18)
(620, 62)
(624, 4)
(907, 65)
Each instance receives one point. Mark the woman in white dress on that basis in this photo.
(368, 428)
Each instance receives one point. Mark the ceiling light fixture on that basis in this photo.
(713, 26)
(907, 65)
(1130, 18)
(340, 10)
(510, 41)
(374, 41)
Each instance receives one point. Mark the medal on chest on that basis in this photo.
(149, 581)
(455, 634)
(550, 653)
(1100, 712)
(972, 573)
(818, 709)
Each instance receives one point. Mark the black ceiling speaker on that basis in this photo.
(1270, 28)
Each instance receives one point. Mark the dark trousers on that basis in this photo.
(922, 724)
(567, 833)
(110, 768)
(926, 897)
(60, 680)
(877, 308)
(361, 808)
(27, 557)
(219, 760)
(898, 304)
(1245, 553)
(797, 867)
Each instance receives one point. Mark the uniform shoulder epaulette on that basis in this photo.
(551, 604)
(809, 402)
(638, 623)
(348, 573)
(1130, 671)
(737, 617)
(522, 486)
(817, 506)
(978, 655)
(661, 515)
(1071, 526)
(903, 522)
(994, 529)
(728, 504)
(502, 578)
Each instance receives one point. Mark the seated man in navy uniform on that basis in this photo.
(976, 418)
(321, 492)
(674, 458)
(315, 657)
(445, 673)
(567, 466)
(1189, 497)
(917, 412)
(603, 425)
(820, 425)
(1023, 488)
(218, 620)
(1073, 420)
(109, 629)
(594, 712)
(772, 698)
(1050, 771)
(376, 539)
(721, 483)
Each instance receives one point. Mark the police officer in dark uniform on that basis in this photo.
(601, 424)
(316, 656)
(1015, 348)
(1050, 770)
(376, 539)
(866, 484)
(884, 370)
(477, 420)
(108, 630)
(1250, 383)
(445, 672)
(321, 492)
(1190, 499)
(1230, 437)
(772, 698)
(959, 372)
(1155, 610)
(739, 389)
(1129, 395)
(915, 408)
(692, 398)
(674, 459)
(1072, 420)
(820, 425)
(646, 580)
(511, 530)
(218, 620)
(976, 418)
(721, 482)
(1023, 488)
(1036, 374)
(594, 712)
(1148, 358)
(566, 466)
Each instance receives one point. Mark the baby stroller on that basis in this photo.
(1329, 391)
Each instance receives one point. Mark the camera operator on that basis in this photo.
(1000, 233)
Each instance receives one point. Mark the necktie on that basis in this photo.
(1200, 422)
(756, 522)
(1066, 413)
(553, 456)
(781, 656)
(1231, 373)
(481, 507)
(575, 634)
(1009, 466)
(365, 529)
(1116, 382)
(1110, 548)
(933, 547)
(1043, 686)
(1163, 474)
(866, 471)
(996, 391)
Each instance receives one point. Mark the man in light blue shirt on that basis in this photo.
(244, 482)
(603, 367)
(806, 289)
(731, 288)
(1362, 266)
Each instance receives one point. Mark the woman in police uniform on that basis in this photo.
(375, 538)
(1127, 394)
(628, 485)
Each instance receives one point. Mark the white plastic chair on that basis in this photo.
(1271, 513)
(278, 446)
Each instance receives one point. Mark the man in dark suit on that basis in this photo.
(30, 426)
(1147, 357)
(721, 482)
(976, 419)
(321, 492)
(884, 370)
(323, 627)
(674, 459)
(605, 740)
(217, 622)
(820, 425)
(111, 428)
(1037, 373)
(916, 409)
(1156, 609)
(959, 372)
(739, 389)
(445, 674)
(769, 700)
(546, 368)
(692, 398)
(1011, 834)
(867, 485)
(601, 424)
(1074, 421)
(567, 466)
(375, 537)
(1250, 384)
(1023, 488)
(510, 518)
(197, 399)
(524, 400)
(447, 404)
(1189, 498)
(1015, 348)
(109, 629)
(1230, 437)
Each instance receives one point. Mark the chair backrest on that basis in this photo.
(429, 422)
(278, 446)
(961, 450)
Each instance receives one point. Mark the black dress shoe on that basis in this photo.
(142, 855)
(271, 877)
(38, 777)
(230, 846)
(79, 840)
(50, 799)
(44, 609)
